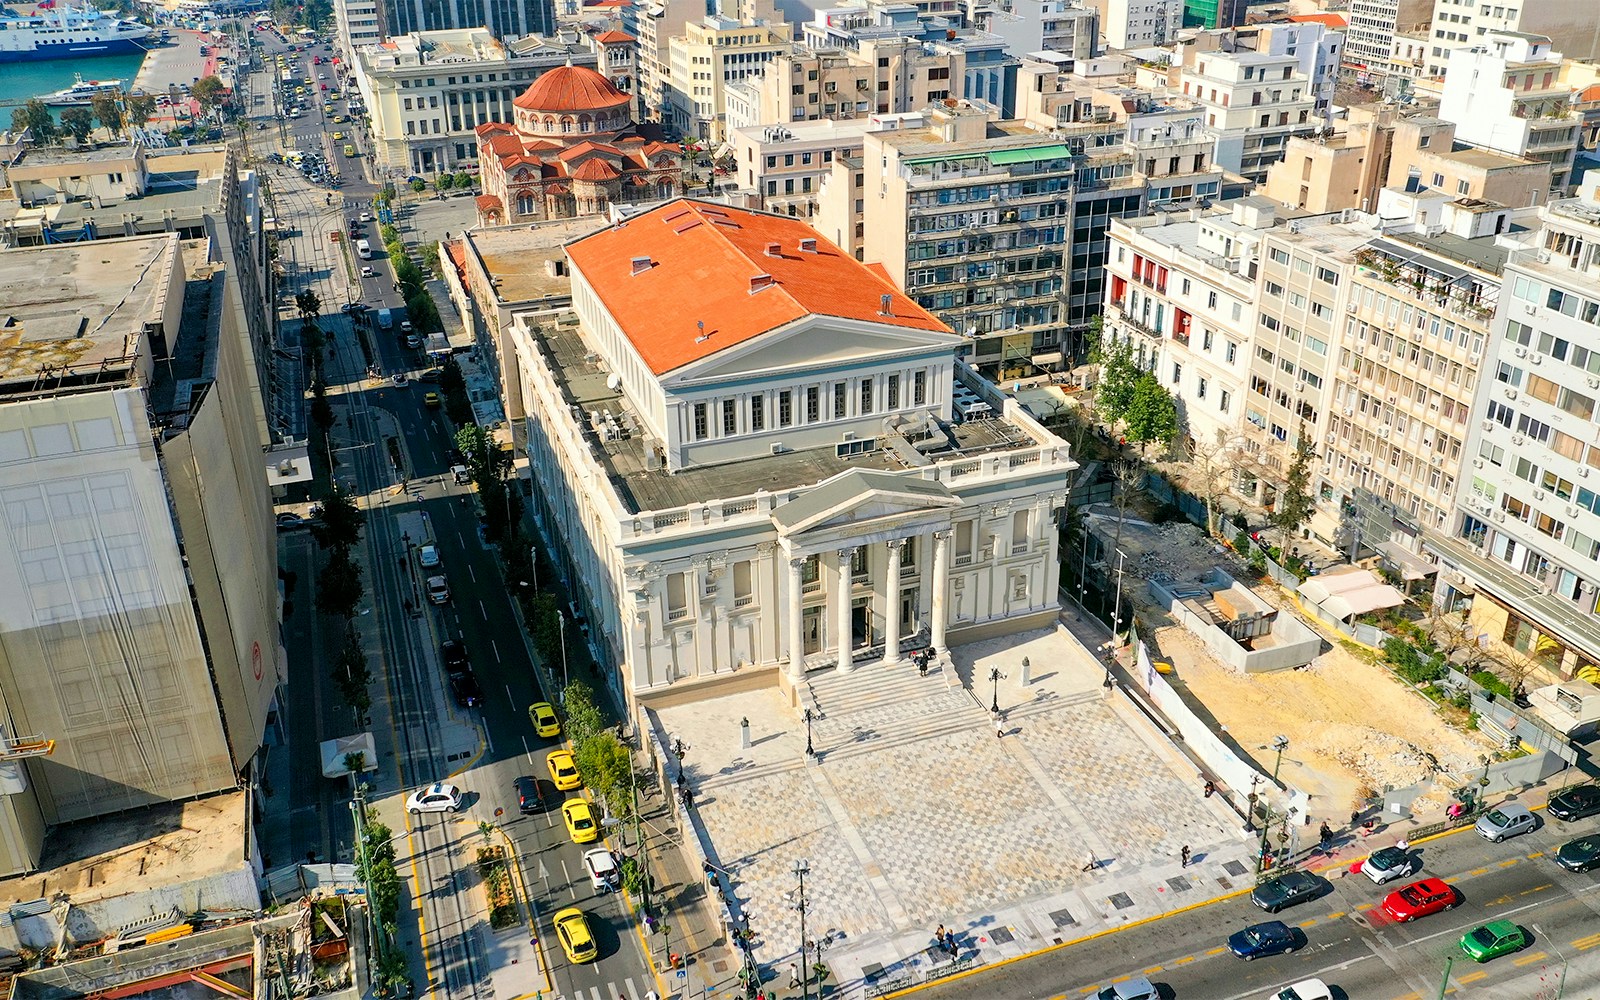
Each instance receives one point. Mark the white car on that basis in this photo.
(367, 271)
(604, 875)
(1389, 863)
(366, 216)
(1308, 989)
(428, 556)
(438, 590)
(437, 798)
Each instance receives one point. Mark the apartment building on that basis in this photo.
(504, 19)
(1522, 552)
(999, 229)
(1254, 103)
(357, 24)
(781, 168)
(139, 627)
(1028, 26)
(1507, 93)
(655, 24)
(1382, 147)
(1370, 37)
(825, 507)
(1212, 14)
(427, 93)
(1137, 24)
(884, 76)
(709, 56)
(1459, 24)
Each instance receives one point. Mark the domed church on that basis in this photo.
(572, 151)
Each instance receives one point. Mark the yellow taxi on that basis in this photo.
(572, 930)
(338, 119)
(349, 150)
(563, 770)
(582, 825)
(431, 400)
(543, 715)
(338, 137)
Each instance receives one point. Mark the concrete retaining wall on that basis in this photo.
(1294, 642)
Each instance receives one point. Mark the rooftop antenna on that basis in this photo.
(703, 335)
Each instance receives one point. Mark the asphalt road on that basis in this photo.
(1349, 942)
(480, 614)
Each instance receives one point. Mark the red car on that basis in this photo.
(1429, 895)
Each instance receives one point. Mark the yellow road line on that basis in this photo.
(1537, 956)
(1584, 943)
(1471, 977)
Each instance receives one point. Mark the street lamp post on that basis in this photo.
(1116, 616)
(994, 676)
(801, 870)
(810, 750)
(1280, 744)
(562, 621)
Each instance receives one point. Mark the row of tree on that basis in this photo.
(113, 112)
(420, 308)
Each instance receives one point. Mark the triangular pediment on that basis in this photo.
(859, 497)
(815, 343)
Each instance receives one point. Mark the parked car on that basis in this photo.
(572, 930)
(428, 556)
(1287, 890)
(582, 826)
(1499, 937)
(439, 797)
(1508, 820)
(1133, 988)
(438, 590)
(288, 521)
(454, 655)
(529, 800)
(1420, 898)
(604, 875)
(1575, 803)
(1272, 937)
(1579, 855)
(1388, 864)
(563, 770)
(464, 685)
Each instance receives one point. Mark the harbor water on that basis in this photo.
(21, 81)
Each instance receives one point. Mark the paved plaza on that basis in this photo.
(916, 814)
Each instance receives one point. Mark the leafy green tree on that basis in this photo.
(607, 769)
(210, 92)
(339, 586)
(1119, 377)
(35, 117)
(317, 14)
(308, 303)
(419, 185)
(77, 123)
(1151, 414)
(140, 109)
(545, 627)
(1294, 500)
(321, 411)
(108, 112)
(351, 674)
(339, 525)
(465, 180)
(445, 182)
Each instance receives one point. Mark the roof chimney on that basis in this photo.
(883, 305)
(774, 250)
(760, 281)
(808, 245)
(641, 264)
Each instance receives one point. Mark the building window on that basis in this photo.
(700, 428)
(813, 404)
(1223, 399)
(730, 417)
(677, 596)
(866, 396)
(1019, 531)
(858, 563)
(963, 543)
(919, 388)
(811, 573)
(785, 408)
(758, 413)
(743, 585)
(894, 392)
(838, 401)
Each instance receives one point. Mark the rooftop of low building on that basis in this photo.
(528, 263)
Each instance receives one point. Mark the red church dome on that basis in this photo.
(570, 88)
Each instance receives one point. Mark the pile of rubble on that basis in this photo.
(1381, 759)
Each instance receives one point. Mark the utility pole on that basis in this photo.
(1444, 984)
(802, 868)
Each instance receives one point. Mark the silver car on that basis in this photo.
(1504, 821)
(1134, 988)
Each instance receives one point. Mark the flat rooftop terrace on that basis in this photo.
(519, 258)
(135, 851)
(642, 489)
(80, 307)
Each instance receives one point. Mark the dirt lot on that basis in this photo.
(1349, 722)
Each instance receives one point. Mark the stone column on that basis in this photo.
(891, 604)
(797, 632)
(843, 611)
(941, 588)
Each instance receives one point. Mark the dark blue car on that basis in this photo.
(1272, 937)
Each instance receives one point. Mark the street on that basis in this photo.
(395, 452)
(1350, 943)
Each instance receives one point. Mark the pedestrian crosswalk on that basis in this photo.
(626, 990)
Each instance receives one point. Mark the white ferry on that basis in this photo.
(81, 93)
(68, 32)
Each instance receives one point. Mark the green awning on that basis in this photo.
(1005, 157)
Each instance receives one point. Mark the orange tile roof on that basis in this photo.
(595, 170)
(1589, 95)
(606, 38)
(1334, 21)
(703, 258)
(458, 256)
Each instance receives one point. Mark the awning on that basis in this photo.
(1003, 157)
(1348, 591)
(1411, 565)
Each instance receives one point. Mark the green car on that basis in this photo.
(1493, 940)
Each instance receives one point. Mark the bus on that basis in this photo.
(363, 249)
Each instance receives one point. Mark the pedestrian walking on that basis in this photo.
(1184, 854)
(710, 872)
(1211, 789)
(1326, 833)
(794, 975)
(938, 936)
(950, 942)
(999, 727)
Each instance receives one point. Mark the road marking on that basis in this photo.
(1472, 977)
(1537, 956)
(513, 702)
(471, 574)
(483, 610)
(544, 874)
(572, 887)
(1585, 943)
(496, 648)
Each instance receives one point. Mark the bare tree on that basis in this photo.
(1130, 485)
(1519, 665)
(1211, 463)
(1457, 642)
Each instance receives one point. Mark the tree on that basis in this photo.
(35, 117)
(1151, 414)
(321, 411)
(1294, 500)
(339, 524)
(445, 182)
(1130, 485)
(1118, 378)
(465, 180)
(339, 587)
(545, 627)
(108, 112)
(1211, 462)
(308, 303)
(607, 769)
(210, 92)
(77, 123)
(1520, 665)
(419, 185)
(140, 108)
